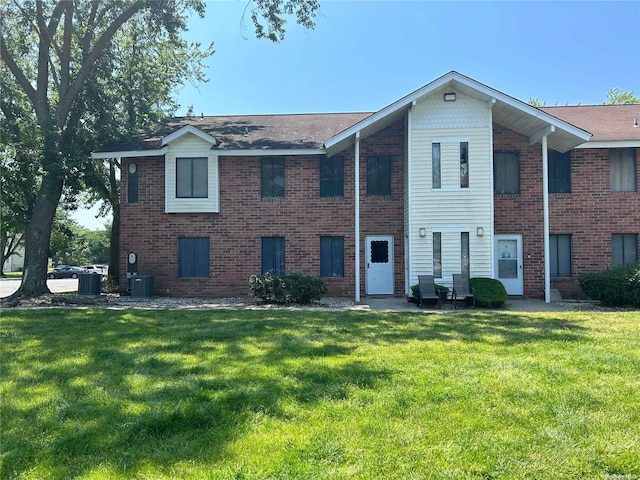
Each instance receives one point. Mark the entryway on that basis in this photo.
(379, 264)
(508, 263)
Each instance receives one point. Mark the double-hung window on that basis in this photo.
(192, 176)
(560, 255)
(622, 168)
(193, 257)
(506, 172)
(624, 248)
(273, 255)
(379, 175)
(332, 256)
(559, 171)
(272, 177)
(332, 177)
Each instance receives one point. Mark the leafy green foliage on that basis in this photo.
(85, 74)
(618, 96)
(293, 288)
(488, 292)
(615, 287)
(415, 290)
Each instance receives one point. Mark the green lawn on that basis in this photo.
(281, 394)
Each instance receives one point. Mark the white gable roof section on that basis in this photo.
(192, 130)
(507, 111)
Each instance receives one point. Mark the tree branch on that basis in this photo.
(16, 71)
(66, 101)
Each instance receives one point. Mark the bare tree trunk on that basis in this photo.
(37, 239)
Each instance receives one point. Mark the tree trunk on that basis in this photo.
(37, 239)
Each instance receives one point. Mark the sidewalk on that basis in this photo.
(395, 304)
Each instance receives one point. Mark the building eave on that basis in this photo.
(129, 153)
(507, 111)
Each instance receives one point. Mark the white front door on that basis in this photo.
(508, 263)
(379, 264)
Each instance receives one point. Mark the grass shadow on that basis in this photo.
(131, 388)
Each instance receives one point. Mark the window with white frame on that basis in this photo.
(436, 167)
(437, 254)
(464, 254)
(464, 164)
(192, 177)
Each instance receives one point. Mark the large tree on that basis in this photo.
(61, 57)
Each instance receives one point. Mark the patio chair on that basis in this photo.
(427, 290)
(461, 289)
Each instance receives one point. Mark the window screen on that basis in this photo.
(506, 172)
(192, 178)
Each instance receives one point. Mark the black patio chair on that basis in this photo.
(461, 289)
(427, 290)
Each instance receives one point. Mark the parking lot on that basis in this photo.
(60, 285)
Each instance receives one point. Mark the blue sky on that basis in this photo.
(363, 56)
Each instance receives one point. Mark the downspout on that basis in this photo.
(545, 203)
(357, 215)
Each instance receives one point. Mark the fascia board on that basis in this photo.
(468, 82)
(611, 144)
(267, 152)
(129, 153)
(397, 105)
(188, 129)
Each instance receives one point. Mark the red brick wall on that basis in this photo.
(235, 233)
(590, 213)
(384, 215)
(522, 214)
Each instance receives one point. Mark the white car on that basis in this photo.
(97, 269)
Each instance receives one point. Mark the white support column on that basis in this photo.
(545, 202)
(357, 215)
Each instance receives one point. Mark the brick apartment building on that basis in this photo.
(455, 177)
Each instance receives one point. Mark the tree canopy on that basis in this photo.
(76, 74)
(618, 96)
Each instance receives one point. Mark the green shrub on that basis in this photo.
(415, 290)
(615, 287)
(488, 292)
(294, 288)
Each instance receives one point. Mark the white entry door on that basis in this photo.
(379, 264)
(508, 263)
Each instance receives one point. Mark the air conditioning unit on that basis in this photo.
(142, 286)
(89, 284)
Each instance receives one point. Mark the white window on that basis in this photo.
(191, 183)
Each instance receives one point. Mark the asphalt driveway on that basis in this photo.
(58, 285)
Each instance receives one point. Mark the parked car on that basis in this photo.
(97, 269)
(65, 271)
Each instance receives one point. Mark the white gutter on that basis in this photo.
(545, 201)
(129, 153)
(357, 214)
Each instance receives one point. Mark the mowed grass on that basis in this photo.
(284, 394)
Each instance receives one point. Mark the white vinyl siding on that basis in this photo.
(450, 209)
(190, 146)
